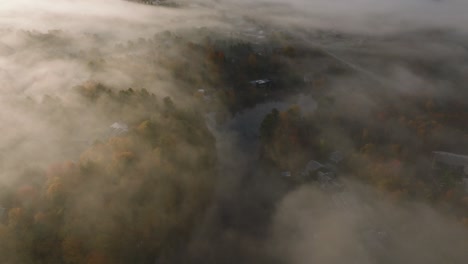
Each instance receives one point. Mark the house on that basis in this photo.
(336, 157)
(118, 129)
(328, 181)
(153, 2)
(311, 167)
(325, 177)
(450, 161)
(261, 83)
(453, 163)
(202, 93)
(314, 170)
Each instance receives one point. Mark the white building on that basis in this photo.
(118, 129)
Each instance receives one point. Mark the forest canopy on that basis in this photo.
(131, 197)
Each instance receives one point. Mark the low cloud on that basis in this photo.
(359, 226)
(378, 53)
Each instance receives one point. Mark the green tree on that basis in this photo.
(269, 125)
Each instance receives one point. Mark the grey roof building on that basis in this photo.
(336, 157)
(261, 83)
(455, 162)
(450, 159)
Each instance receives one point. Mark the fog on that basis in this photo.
(370, 16)
(193, 181)
(357, 227)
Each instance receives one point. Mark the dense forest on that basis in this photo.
(401, 166)
(128, 195)
(140, 188)
(226, 131)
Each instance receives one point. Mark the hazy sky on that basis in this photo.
(374, 15)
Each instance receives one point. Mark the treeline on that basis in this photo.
(131, 197)
(222, 65)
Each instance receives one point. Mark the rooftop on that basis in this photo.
(261, 81)
(119, 128)
(450, 158)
